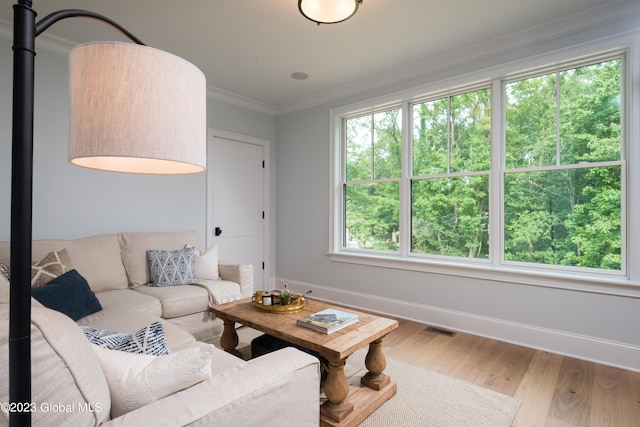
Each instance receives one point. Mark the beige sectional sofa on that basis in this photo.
(116, 268)
(70, 372)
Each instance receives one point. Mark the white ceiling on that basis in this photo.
(248, 49)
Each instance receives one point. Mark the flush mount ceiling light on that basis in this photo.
(328, 11)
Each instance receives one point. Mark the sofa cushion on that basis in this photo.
(171, 268)
(65, 371)
(130, 301)
(136, 380)
(132, 322)
(134, 248)
(149, 340)
(69, 294)
(178, 300)
(97, 259)
(53, 265)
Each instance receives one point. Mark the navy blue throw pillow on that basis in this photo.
(69, 294)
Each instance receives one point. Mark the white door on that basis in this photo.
(236, 200)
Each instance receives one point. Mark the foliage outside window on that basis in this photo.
(558, 173)
(372, 191)
(450, 182)
(563, 176)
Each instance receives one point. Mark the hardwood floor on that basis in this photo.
(556, 391)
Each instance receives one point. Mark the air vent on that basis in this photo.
(440, 331)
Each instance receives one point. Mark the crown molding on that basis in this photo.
(240, 101)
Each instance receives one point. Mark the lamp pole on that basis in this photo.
(25, 30)
(21, 212)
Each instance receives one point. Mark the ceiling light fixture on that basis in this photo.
(328, 11)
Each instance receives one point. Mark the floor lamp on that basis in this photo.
(152, 121)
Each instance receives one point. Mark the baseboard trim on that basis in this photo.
(582, 347)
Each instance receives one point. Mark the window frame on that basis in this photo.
(344, 181)
(624, 282)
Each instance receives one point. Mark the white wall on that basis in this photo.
(72, 202)
(587, 325)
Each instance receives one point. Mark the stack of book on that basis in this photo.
(328, 321)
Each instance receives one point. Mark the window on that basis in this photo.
(521, 173)
(451, 146)
(563, 173)
(371, 189)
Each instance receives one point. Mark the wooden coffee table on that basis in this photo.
(340, 408)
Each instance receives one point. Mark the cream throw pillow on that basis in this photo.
(206, 264)
(135, 380)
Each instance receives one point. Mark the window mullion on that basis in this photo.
(496, 178)
(405, 181)
(558, 148)
(373, 147)
(449, 132)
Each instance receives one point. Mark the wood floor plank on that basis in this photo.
(572, 398)
(483, 363)
(537, 388)
(612, 402)
(402, 343)
(431, 353)
(511, 367)
(634, 382)
(457, 351)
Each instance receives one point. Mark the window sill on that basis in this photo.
(604, 284)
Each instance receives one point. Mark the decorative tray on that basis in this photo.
(297, 304)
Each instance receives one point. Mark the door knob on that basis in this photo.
(217, 231)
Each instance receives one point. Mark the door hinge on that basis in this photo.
(263, 265)
(262, 214)
(263, 164)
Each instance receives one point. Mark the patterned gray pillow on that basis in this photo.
(171, 268)
(148, 340)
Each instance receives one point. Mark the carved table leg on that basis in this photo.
(229, 339)
(375, 363)
(336, 388)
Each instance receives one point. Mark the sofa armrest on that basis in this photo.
(239, 273)
(251, 394)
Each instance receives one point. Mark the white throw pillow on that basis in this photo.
(207, 264)
(135, 380)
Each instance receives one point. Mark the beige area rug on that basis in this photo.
(427, 398)
(424, 398)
